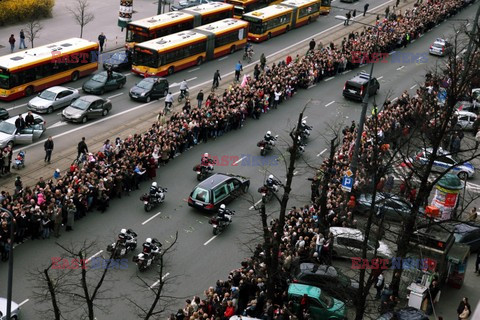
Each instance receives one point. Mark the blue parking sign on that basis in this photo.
(347, 183)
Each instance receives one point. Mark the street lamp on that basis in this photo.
(361, 123)
(10, 265)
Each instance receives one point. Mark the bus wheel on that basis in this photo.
(170, 71)
(309, 20)
(29, 91)
(199, 61)
(287, 29)
(269, 36)
(75, 76)
(232, 49)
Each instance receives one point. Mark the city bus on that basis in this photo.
(325, 7)
(243, 6)
(268, 22)
(172, 22)
(24, 72)
(304, 11)
(181, 50)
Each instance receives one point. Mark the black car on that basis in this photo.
(328, 278)
(101, 83)
(408, 313)
(356, 88)
(119, 61)
(4, 114)
(466, 233)
(149, 88)
(389, 205)
(218, 189)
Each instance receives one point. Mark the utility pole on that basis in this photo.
(159, 7)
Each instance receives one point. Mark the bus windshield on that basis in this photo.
(143, 58)
(4, 79)
(256, 26)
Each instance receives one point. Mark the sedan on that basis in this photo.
(387, 205)
(87, 107)
(53, 98)
(466, 119)
(440, 47)
(443, 161)
(14, 311)
(4, 114)
(328, 278)
(216, 190)
(466, 233)
(101, 83)
(10, 135)
(149, 88)
(467, 106)
(118, 61)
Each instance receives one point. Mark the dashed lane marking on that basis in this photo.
(151, 218)
(210, 240)
(330, 103)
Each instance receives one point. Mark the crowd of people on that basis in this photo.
(120, 166)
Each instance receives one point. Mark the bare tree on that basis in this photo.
(81, 14)
(160, 300)
(32, 29)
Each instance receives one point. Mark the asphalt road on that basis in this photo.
(199, 260)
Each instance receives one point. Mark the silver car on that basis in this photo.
(466, 119)
(440, 47)
(53, 98)
(10, 135)
(87, 107)
(443, 161)
(15, 310)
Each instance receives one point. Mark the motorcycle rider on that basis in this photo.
(126, 237)
(150, 247)
(183, 88)
(304, 126)
(272, 183)
(269, 139)
(155, 190)
(207, 162)
(224, 214)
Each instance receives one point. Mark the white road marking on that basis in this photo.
(256, 203)
(313, 85)
(400, 68)
(295, 173)
(23, 302)
(467, 24)
(473, 186)
(345, 72)
(78, 88)
(149, 219)
(96, 254)
(191, 79)
(235, 163)
(19, 106)
(115, 95)
(58, 124)
(174, 84)
(226, 57)
(158, 281)
(331, 102)
(193, 70)
(395, 99)
(379, 77)
(413, 86)
(328, 79)
(211, 239)
(304, 118)
(323, 151)
(393, 52)
(421, 35)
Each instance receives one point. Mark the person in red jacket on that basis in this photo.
(230, 310)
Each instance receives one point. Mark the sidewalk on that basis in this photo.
(62, 25)
(31, 173)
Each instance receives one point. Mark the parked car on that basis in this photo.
(10, 135)
(356, 88)
(348, 243)
(14, 310)
(4, 114)
(466, 119)
(440, 47)
(408, 313)
(188, 4)
(100, 83)
(465, 233)
(328, 278)
(321, 305)
(443, 161)
(389, 205)
(53, 98)
(476, 94)
(119, 61)
(87, 107)
(468, 106)
(217, 189)
(149, 88)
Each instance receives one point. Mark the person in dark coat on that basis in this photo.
(29, 120)
(365, 8)
(48, 146)
(20, 123)
(82, 148)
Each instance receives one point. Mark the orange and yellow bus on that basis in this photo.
(172, 22)
(243, 6)
(181, 50)
(24, 72)
(277, 19)
(325, 6)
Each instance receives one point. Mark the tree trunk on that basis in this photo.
(53, 295)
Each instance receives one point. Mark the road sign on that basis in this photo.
(347, 183)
